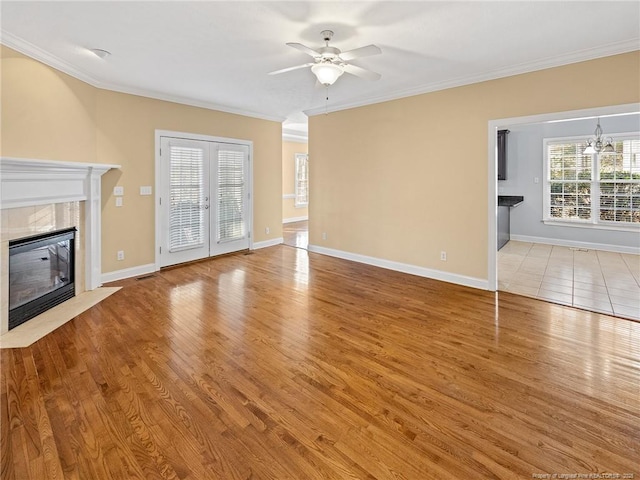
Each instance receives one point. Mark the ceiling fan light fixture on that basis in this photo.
(327, 73)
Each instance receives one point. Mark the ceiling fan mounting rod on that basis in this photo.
(326, 35)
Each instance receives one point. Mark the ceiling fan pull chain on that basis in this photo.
(326, 102)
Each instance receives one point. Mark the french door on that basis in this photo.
(204, 199)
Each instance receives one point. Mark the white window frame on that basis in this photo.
(299, 203)
(595, 221)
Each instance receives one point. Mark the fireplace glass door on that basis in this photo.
(41, 274)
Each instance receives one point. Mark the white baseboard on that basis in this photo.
(295, 219)
(128, 273)
(267, 243)
(480, 283)
(574, 243)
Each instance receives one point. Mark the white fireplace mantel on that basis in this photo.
(25, 182)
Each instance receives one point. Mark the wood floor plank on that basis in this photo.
(283, 364)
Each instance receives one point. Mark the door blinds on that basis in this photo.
(186, 219)
(231, 191)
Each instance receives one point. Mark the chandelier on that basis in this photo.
(599, 144)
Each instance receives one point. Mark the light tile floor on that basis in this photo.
(595, 280)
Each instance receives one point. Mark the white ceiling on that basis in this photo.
(217, 54)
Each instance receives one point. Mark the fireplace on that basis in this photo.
(41, 273)
(47, 195)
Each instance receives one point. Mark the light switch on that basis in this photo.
(146, 190)
(119, 191)
(118, 201)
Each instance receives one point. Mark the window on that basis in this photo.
(302, 180)
(593, 189)
(231, 194)
(186, 222)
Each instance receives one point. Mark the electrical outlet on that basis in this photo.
(443, 256)
(118, 191)
(536, 180)
(118, 201)
(120, 254)
(324, 235)
(267, 230)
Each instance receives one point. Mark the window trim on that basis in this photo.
(595, 222)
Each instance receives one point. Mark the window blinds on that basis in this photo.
(302, 180)
(620, 183)
(186, 217)
(231, 191)
(595, 188)
(570, 181)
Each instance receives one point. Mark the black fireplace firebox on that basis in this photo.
(41, 273)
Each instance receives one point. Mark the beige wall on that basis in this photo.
(49, 115)
(289, 150)
(45, 113)
(126, 131)
(405, 179)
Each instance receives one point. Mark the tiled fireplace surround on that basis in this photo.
(38, 196)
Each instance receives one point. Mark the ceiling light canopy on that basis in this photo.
(327, 73)
(599, 144)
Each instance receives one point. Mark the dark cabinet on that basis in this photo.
(502, 154)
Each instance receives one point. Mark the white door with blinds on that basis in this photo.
(204, 199)
(230, 191)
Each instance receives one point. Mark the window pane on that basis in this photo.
(570, 200)
(567, 162)
(620, 181)
(231, 191)
(186, 221)
(584, 213)
(570, 180)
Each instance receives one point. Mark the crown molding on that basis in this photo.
(26, 48)
(542, 64)
(289, 137)
(187, 101)
(12, 41)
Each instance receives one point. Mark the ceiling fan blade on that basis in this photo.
(361, 72)
(360, 52)
(305, 49)
(290, 69)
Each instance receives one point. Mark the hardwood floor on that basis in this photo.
(284, 364)
(296, 234)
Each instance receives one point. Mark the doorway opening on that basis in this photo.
(543, 259)
(295, 186)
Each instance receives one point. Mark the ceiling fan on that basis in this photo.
(329, 62)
